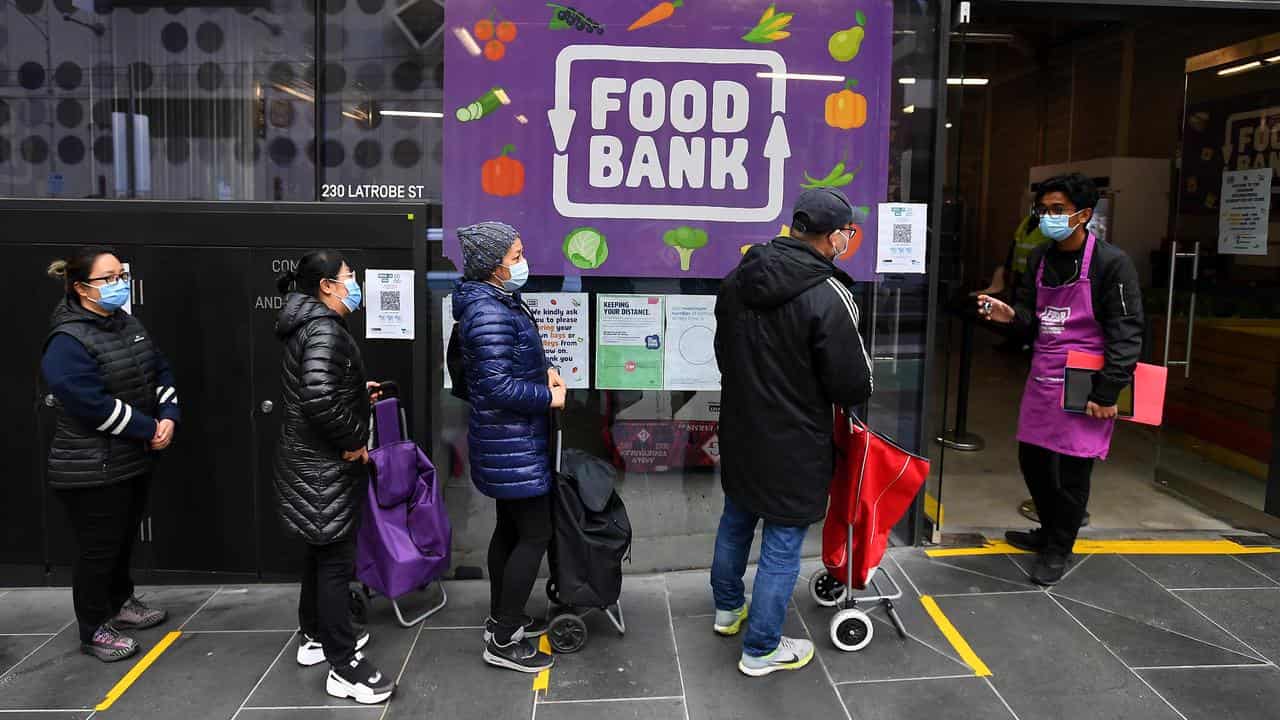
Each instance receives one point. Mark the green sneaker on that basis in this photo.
(791, 654)
(729, 622)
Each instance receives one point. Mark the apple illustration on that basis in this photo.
(844, 45)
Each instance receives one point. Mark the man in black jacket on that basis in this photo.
(788, 348)
(1069, 299)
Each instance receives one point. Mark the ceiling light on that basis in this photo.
(968, 81)
(906, 81)
(948, 126)
(296, 93)
(411, 113)
(800, 76)
(909, 109)
(1275, 59)
(1241, 68)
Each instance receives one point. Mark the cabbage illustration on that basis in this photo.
(586, 248)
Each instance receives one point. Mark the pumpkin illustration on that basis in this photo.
(847, 109)
(503, 175)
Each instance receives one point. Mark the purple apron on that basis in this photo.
(1066, 323)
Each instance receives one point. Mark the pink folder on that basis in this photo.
(1149, 383)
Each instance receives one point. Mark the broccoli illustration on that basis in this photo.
(685, 240)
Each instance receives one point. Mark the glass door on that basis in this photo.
(1215, 307)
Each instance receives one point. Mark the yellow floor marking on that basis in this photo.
(1120, 547)
(543, 679)
(933, 509)
(957, 640)
(129, 679)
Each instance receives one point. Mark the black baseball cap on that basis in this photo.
(821, 211)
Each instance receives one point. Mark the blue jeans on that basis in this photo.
(775, 576)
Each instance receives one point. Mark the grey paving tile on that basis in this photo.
(1268, 565)
(291, 685)
(256, 607)
(469, 603)
(944, 699)
(1109, 582)
(640, 664)
(1045, 664)
(334, 713)
(202, 676)
(635, 710)
(68, 715)
(446, 678)
(14, 648)
(1142, 645)
(960, 575)
(1220, 693)
(1251, 615)
(715, 689)
(1198, 571)
(691, 591)
(60, 676)
(35, 611)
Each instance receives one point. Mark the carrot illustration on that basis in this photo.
(660, 12)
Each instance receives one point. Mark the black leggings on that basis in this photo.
(519, 541)
(1059, 484)
(105, 522)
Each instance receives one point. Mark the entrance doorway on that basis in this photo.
(1169, 107)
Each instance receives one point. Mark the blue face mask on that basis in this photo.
(113, 295)
(1058, 227)
(354, 296)
(519, 276)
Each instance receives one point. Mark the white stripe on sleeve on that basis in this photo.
(124, 422)
(846, 297)
(169, 394)
(115, 414)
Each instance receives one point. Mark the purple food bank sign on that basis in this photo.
(659, 139)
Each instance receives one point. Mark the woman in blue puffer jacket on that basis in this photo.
(512, 390)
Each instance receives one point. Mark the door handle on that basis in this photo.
(1174, 257)
(267, 406)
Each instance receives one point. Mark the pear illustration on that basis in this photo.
(844, 45)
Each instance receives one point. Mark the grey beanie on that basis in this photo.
(484, 245)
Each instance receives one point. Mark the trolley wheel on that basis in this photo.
(567, 634)
(851, 630)
(553, 593)
(826, 590)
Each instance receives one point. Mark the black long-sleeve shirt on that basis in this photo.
(1117, 306)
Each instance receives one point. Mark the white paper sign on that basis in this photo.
(1246, 203)
(902, 242)
(388, 303)
(690, 362)
(446, 326)
(564, 322)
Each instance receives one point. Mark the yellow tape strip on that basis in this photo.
(953, 636)
(128, 680)
(933, 509)
(1120, 547)
(543, 679)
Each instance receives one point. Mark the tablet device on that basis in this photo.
(1078, 386)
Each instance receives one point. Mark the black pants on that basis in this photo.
(1059, 484)
(515, 554)
(324, 608)
(105, 521)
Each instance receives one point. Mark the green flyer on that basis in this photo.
(629, 342)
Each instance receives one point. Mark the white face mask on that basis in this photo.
(848, 238)
(519, 276)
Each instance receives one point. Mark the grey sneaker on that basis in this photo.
(110, 645)
(791, 654)
(729, 622)
(532, 628)
(137, 615)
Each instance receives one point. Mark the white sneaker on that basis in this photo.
(311, 652)
(791, 654)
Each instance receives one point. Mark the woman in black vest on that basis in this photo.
(320, 464)
(117, 408)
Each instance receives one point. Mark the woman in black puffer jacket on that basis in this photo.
(320, 465)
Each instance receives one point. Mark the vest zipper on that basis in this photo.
(1124, 306)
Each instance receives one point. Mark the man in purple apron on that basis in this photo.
(1079, 293)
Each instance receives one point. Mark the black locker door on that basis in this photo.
(282, 551)
(196, 303)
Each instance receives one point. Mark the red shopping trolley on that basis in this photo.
(875, 482)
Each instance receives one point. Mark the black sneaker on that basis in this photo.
(1049, 569)
(1033, 541)
(532, 628)
(518, 655)
(311, 652)
(359, 680)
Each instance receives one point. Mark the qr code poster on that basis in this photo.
(389, 304)
(902, 241)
